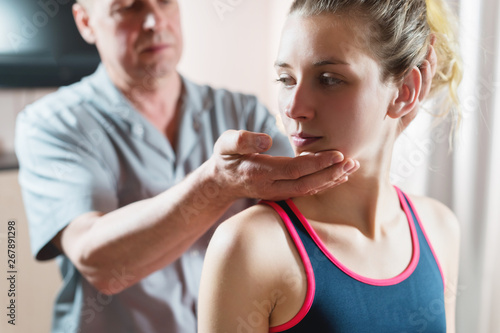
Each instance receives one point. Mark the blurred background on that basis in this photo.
(233, 44)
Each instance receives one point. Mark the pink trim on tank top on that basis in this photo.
(311, 282)
(376, 282)
(428, 242)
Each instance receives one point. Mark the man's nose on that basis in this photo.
(149, 22)
(154, 19)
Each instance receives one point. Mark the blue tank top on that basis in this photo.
(339, 300)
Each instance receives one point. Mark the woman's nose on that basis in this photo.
(299, 106)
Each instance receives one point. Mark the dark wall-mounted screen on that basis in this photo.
(40, 45)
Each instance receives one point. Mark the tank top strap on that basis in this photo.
(292, 223)
(424, 240)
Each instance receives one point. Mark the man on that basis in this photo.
(122, 182)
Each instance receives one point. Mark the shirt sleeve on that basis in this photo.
(60, 174)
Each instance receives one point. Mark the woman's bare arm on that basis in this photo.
(244, 280)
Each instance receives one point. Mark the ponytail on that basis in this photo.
(449, 67)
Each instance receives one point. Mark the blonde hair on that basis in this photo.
(449, 71)
(400, 33)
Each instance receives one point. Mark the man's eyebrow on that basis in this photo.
(114, 2)
(320, 63)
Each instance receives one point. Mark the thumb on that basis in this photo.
(242, 142)
(426, 71)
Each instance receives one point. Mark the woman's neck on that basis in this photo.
(366, 201)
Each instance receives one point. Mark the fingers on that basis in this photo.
(316, 182)
(241, 142)
(428, 70)
(425, 69)
(408, 118)
(432, 59)
(304, 165)
(246, 173)
(433, 39)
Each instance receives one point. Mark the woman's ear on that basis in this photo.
(81, 16)
(406, 99)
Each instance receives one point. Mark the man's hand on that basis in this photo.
(428, 70)
(242, 171)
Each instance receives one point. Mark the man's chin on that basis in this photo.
(156, 71)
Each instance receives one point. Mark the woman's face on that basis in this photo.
(331, 95)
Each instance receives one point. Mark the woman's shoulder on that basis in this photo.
(252, 253)
(254, 238)
(258, 223)
(434, 214)
(443, 232)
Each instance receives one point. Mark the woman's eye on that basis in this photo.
(327, 80)
(286, 81)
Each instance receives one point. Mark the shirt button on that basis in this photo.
(196, 125)
(138, 131)
(195, 253)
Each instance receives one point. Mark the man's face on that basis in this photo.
(141, 39)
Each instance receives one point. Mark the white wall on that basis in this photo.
(234, 47)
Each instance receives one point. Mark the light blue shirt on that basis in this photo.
(85, 148)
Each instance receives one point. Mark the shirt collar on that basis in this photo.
(194, 97)
(194, 103)
(105, 88)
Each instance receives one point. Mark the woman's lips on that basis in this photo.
(302, 140)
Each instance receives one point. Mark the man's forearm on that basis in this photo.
(147, 235)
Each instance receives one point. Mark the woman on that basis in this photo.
(363, 257)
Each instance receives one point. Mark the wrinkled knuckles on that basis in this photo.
(242, 140)
(303, 189)
(292, 171)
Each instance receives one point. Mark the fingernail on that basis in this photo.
(263, 142)
(337, 158)
(349, 166)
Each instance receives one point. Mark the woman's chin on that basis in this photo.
(301, 152)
